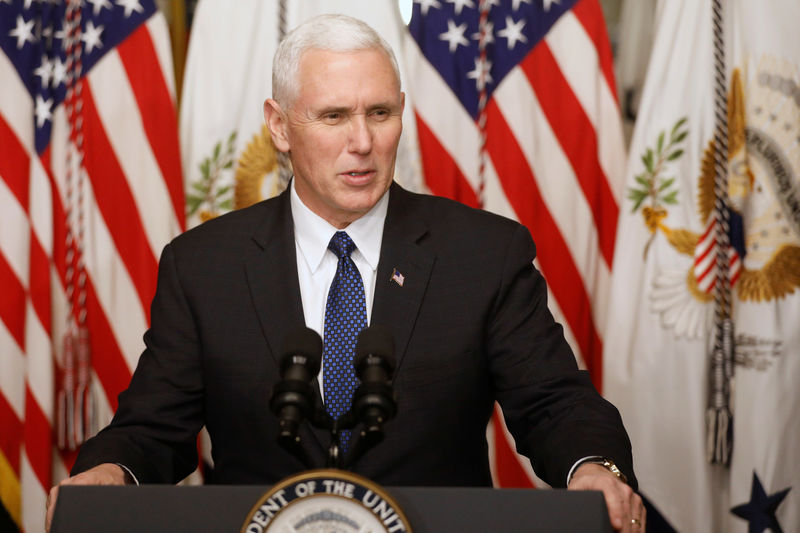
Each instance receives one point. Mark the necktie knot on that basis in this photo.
(341, 244)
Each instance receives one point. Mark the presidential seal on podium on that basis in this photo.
(326, 501)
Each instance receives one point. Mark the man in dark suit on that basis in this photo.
(456, 287)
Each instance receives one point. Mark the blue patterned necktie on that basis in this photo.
(345, 317)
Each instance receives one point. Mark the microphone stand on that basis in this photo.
(373, 404)
(323, 420)
(367, 438)
(361, 443)
(335, 455)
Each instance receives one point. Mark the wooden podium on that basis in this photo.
(218, 508)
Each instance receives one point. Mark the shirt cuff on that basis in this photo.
(579, 462)
(133, 477)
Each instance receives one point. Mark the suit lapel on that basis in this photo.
(396, 304)
(272, 276)
(397, 301)
(275, 289)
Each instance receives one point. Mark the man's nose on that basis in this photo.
(360, 135)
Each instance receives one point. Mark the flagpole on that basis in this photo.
(719, 416)
(483, 38)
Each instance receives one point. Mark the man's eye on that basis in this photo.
(380, 114)
(332, 117)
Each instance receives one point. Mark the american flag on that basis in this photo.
(517, 113)
(90, 191)
(398, 278)
(705, 257)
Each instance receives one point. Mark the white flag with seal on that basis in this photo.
(662, 328)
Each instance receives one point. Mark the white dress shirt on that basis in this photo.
(316, 265)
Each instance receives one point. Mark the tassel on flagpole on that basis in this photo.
(66, 393)
(719, 416)
(84, 402)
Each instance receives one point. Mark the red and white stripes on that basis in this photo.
(705, 260)
(132, 204)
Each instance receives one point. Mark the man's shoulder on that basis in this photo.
(232, 227)
(444, 213)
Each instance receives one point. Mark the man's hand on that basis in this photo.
(625, 507)
(104, 474)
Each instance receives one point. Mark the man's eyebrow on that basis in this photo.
(332, 109)
(348, 110)
(384, 105)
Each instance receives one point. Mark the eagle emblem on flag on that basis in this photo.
(764, 200)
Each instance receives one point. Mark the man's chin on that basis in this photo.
(357, 207)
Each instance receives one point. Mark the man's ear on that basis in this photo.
(276, 121)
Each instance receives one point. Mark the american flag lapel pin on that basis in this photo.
(397, 277)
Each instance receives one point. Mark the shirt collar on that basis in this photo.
(313, 233)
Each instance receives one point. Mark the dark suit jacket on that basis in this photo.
(470, 323)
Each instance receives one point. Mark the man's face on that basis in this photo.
(342, 131)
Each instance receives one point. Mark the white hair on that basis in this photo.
(338, 33)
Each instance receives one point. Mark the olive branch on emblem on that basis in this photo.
(207, 192)
(652, 185)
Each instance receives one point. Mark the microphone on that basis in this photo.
(292, 398)
(373, 402)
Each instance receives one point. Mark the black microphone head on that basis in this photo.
(306, 342)
(375, 340)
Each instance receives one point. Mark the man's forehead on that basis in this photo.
(334, 53)
(312, 58)
(336, 84)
